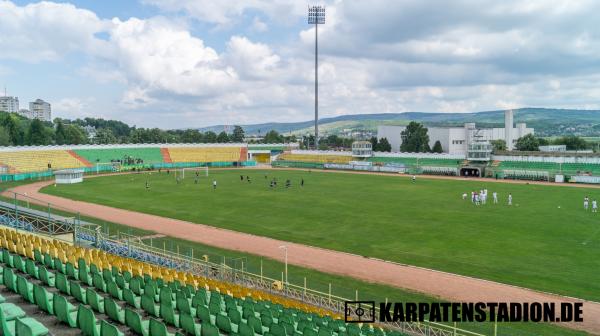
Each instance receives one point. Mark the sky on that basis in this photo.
(194, 63)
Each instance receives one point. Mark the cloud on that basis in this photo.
(47, 31)
(376, 56)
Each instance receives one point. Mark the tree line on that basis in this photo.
(16, 130)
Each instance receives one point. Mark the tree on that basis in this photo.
(498, 145)
(74, 135)
(4, 137)
(37, 135)
(210, 137)
(528, 143)
(273, 136)
(384, 145)
(415, 138)
(222, 137)
(59, 133)
(437, 147)
(105, 136)
(191, 136)
(572, 142)
(238, 134)
(374, 144)
(15, 131)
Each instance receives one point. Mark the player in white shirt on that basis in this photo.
(509, 199)
(464, 196)
(476, 199)
(586, 203)
(495, 195)
(594, 206)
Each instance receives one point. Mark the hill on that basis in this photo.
(547, 122)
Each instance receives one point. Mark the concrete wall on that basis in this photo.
(392, 134)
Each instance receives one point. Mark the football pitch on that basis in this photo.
(544, 241)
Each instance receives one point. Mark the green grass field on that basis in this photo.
(534, 243)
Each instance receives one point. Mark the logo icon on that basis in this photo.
(359, 311)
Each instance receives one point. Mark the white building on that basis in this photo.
(41, 110)
(9, 104)
(455, 140)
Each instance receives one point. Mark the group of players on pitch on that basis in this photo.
(586, 204)
(480, 197)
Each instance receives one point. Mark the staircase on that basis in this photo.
(80, 158)
(166, 156)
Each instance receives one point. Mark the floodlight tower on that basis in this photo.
(316, 16)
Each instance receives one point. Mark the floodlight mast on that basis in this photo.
(316, 16)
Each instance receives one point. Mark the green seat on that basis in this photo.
(9, 279)
(214, 308)
(7, 258)
(183, 305)
(43, 299)
(114, 290)
(199, 299)
(98, 282)
(149, 306)
(150, 291)
(189, 325)
(266, 320)
(10, 311)
(166, 296)
(62, 283)
(93, 269)
(77, 292)
(224, 324)
(136, 284)
(47, 277)
(167, 313)
(107, 275)
(131, 299)
(25, 288)
(245, 330)
(107, 329)
(30, 327)
(120, 280)
(277, 330)
(255, 324)
(47, 260)
(19, 263)
(203, 314)
(57, 265)
(323, 331)
(31, 268)
(135, 322)
(114, 311)
(84, 276)
(308, 331)
(64, 311)
(95, 300)
(158, 328)
(70, 271)
(208, 329)
(86, 321)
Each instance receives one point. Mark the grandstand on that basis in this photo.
(315, 158)
(24, 160)
(146, 155)
(39, 160)
(105, 294)
(207, 154)
(416, 161)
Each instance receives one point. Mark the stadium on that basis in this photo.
(267, 239)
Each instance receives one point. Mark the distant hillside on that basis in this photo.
(547, 122)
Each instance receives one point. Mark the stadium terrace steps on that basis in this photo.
(205, 154)
(80, 158)
(85, 286)
(315, 158)
(165, 155)
(243, 154)
(412, 161)
(106, 155)
(35, 161)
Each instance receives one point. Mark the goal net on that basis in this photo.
(191, 172)
(107, 167)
